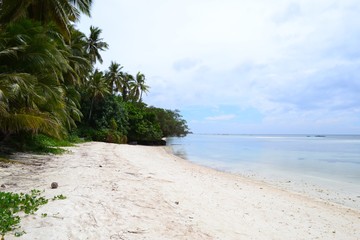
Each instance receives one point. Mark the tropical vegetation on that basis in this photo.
(12, 204)
(49, 85)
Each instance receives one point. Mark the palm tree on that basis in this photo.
(78, 58)
(75, 78)
(40, 73)
(13, 10)
(97, 88)
(71, 106)
(33, 63)
(126, 85)
(114, 76)
(61, 12)
(139, 87)
(18, 112)
(95, 44)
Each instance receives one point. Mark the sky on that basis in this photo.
(242, 67)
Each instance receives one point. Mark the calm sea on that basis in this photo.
(328, 163)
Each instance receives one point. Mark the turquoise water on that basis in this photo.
(327, 161)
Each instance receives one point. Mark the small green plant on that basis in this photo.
(59, 197)
(11, 204)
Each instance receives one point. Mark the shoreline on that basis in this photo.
(131, 192)
(335, 191)
(316, 190)
(339, 189)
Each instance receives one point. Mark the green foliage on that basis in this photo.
(11, 204)
(60, 12)
(51, 142)
(108, 121)
(41, 66)
(86, 132)
(112, 120)
(96, 89)
(138, 87)
(113, 124)
(115, 137)
(48, 85)
(31, 71)
(40, 143)
(143, 123)
(114, 76)
(102, 135)
(99, 135)
(111, 110)
(95, 44)
(171, 122)
(59, 197)
(74, 138)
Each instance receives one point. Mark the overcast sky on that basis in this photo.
(236, 66)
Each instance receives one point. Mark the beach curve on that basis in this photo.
(138, 192)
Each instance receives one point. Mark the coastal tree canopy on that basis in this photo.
(49, 85)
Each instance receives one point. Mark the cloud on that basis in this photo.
(185, 64)
(292, 11)
(221, 117)
(295, 63)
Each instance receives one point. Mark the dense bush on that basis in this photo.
(108, 121)
(113, 120)
(143, 123)
(101, 135)
(38, 143)
(105, 112)
(171, 122)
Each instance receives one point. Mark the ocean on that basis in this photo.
(322, 166)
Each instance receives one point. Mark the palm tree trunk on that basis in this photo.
(124, 93)
(91, 108)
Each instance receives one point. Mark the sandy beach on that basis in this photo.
(138, 192)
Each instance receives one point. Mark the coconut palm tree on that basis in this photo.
(18, 110)
(40, 73)
(60, 12)
(139, 87)
(97, 88)
(33, 63)
(95, 44)
(75, 78)
(114, 76)
(78, 58)
(127, 82)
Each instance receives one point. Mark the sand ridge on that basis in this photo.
(138, 192)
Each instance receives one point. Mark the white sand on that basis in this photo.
(137, 192)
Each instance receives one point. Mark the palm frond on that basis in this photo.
(30, 122)
(83, 5)
(12, 10)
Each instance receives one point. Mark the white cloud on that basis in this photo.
(185, 64)
(221, 117)
(285, 59)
